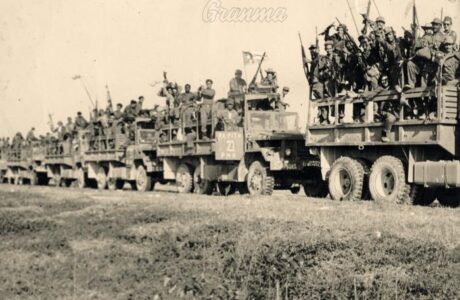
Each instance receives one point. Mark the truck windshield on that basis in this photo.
(272, 121)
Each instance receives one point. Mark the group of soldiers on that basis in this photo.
(182, 109)
(382, 61)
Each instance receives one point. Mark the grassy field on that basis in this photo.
(85, 244)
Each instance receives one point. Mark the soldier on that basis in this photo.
(379, 30)
(187, 104)
(316, 86)
(229, 118)
(80, 121)
(438, 36)
(327, 70)
(279, 103)
(118, 113)
(238, 88)
(270, 79)
(392, 60)
(448, 32)
(368, 73)
(450, 63)
(60, 131)
(206, 98)
(130, 112)
(30, 137)
(69, 127)
(420, 67)
(139, 105)
(388, 112)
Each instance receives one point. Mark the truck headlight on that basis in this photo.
(288, 152)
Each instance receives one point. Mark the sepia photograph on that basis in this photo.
(229, 149)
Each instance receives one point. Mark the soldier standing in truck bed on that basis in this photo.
(270, 80)
(229, 118)
(238, 88)
(450, 63)
(80, 121)
(438, 35)
(316, 86)
(448, 32)
(206, 99)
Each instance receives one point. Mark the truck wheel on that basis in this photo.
(449, 197)
(318, 189)
(101, 179)
(143, 180)
(200, 185)
(346, 179)
(259, 180)
(184, 179)
(80, 178)
(387, 181)
(420, 195)
(226, 188)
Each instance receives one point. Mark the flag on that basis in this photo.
(250, 58)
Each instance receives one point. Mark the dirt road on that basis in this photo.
(88, 244)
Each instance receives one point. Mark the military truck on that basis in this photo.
(264, 154)
(419, 163)
(117, 158)
(25, 165)
(65, 162)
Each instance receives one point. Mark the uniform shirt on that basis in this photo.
(130, 112)
(80, 122)
(230, 118)
(438, 38)
(69, 127)
(31, 136)
(207, 95)
(452, 34)
(450, 67)
(187, 98)
(139, 107)
(118, 114)
(237, 85)
(424, 41)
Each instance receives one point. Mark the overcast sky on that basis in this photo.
(128, 44)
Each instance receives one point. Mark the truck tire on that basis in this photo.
(200, 185)
(387, 181)
(184, 179)
(226, 188)
(80, 181)
(259, 181)
(420, 195)
(101, 179)
(143, 180)
(449, 197)
(346, 179)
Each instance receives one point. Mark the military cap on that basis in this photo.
(448, 41)
(119, 104)
(79, 113)
(286, 89)
(141, 97)
(448, 19)
(229, 101)
(427, 26)
(187, 85)
(238, 72)
(436, 21)
(328, 43)
(209, 80)
(380, 19)
(388, 29)
(133, 101)
(270, 70)
(312, 46)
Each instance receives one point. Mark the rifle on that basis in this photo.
(366, 19)
(253, 81)
(414, 26)
(109, 97)
(316, 40)
(306, 69)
